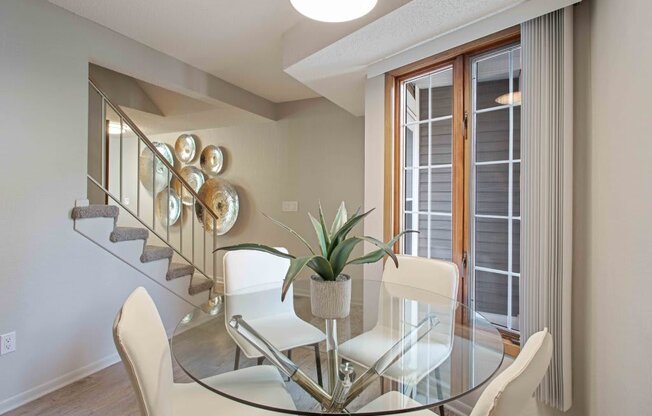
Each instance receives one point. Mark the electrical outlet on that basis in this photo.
(7, 343)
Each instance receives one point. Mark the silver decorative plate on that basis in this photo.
(221, 197)
(211, 160)
(168, 206)
(194, 177)
(185, 147)
(155, 176)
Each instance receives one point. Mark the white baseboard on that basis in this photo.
(57, 383)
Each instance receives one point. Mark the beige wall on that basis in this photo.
(612, 264)
(313, 153)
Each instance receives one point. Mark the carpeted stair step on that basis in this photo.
(153, 253)
(129, 234)
(177, 270)
(200, 284)
(95, 211)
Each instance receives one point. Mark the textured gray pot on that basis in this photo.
(330, 299)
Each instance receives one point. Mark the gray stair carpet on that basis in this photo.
(177, 270)
(128, 234)
(95, 211)
(200, 284)
(153, 253)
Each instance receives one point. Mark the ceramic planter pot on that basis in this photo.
(330, 299)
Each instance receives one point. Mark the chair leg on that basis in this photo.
(442, 411)
(260, 360)
(236, 363)
(289, 354)
(382, 385)
(438, 378)
(318, 365)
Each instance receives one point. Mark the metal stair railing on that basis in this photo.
(199, 266)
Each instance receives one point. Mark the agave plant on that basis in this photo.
(335, 247)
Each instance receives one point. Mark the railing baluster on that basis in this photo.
(138, 178)
(167, 210)
(154, 189)
(214, 254)
(120, 171)
(204, 248)
(103, 146)
(192, 242)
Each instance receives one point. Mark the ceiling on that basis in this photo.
(237, 41)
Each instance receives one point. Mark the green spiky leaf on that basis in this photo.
(321, 234)
(294, 233)
(319, 264)
(255, 247)
(340, 218)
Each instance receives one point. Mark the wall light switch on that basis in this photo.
(290, 206)
(7, 343)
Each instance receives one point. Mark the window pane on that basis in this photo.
(422, 192)
(491, 243)
(441, 94)
(422, 225)
(407, 241)
(492, 80)
(441, 237)
(421, 131)
(491, 296)
(515, 307)
(492, 189)
(441, 142)
(516, 246)
(416, 100)
(409, 205)
(516, 188)
(517, 132)
(408, 148)
(441, 190)
(492, 136)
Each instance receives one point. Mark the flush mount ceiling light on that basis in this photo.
(510, 98)
(333, 11)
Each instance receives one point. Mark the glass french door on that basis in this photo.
(432, 162)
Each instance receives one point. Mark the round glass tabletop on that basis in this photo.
(402, 349)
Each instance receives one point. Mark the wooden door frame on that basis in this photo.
(460, 59)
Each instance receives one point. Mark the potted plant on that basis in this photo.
(330, 287)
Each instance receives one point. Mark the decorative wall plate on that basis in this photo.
(222, 198)
(211, 160)
(185, 147)
(168, 206)
(195, 178)
(154, 176)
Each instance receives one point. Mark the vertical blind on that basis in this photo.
(546, 194)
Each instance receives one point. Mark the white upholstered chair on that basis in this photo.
(143, 346)
(415, 278)
(252, 286)
(511, 393)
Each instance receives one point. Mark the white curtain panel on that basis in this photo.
(546, 193)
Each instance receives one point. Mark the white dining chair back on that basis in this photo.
(143, 346)
(248, 271)
(511, 392)
(438, 276)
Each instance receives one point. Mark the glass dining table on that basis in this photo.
(401, 349)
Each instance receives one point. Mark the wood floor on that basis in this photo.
(109, 392)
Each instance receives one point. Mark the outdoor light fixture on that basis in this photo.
(513, 98)
(333, 11)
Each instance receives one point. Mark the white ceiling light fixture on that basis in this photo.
(333, 11)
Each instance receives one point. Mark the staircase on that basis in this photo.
(157, 255)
